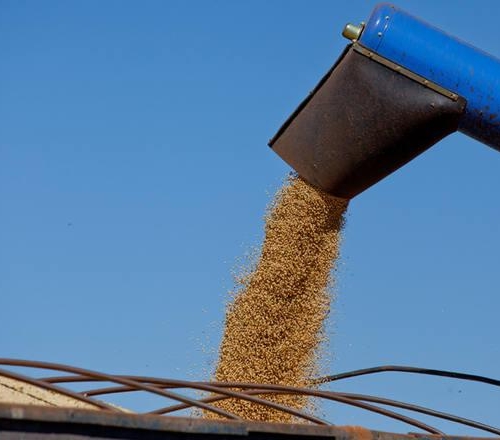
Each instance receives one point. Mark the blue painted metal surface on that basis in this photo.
(445, 60)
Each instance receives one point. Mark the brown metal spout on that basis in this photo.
(363, 121)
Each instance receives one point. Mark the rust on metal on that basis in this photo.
(364, 120)
(216, 391)
(41, 423)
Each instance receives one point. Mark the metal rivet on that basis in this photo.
(379, 34)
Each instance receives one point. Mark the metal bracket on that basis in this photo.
(403, 71)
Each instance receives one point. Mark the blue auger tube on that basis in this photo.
(444, 60)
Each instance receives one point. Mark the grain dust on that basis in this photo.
(274, 326)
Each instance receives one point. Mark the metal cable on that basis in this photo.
(406, 369)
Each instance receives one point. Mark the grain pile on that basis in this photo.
(17, 392)
(274, 325)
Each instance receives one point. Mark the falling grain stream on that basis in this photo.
(275, 324)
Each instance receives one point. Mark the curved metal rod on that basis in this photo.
(166, 384)
(119, 389)
(255, 389)
(380, 400)
(203, 386)
(424, 410)
(220, 389)
(224, 394)
(276, 389)
(81, 373)
(405, 369)
(72, 378)
(121, 380)
(355, 373)
(375, 399)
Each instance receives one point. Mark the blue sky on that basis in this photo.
(134, 176)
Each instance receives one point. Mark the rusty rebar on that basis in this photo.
(245, 391)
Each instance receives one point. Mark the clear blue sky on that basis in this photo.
(134, 173)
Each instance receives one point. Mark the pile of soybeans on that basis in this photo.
(275, 324)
